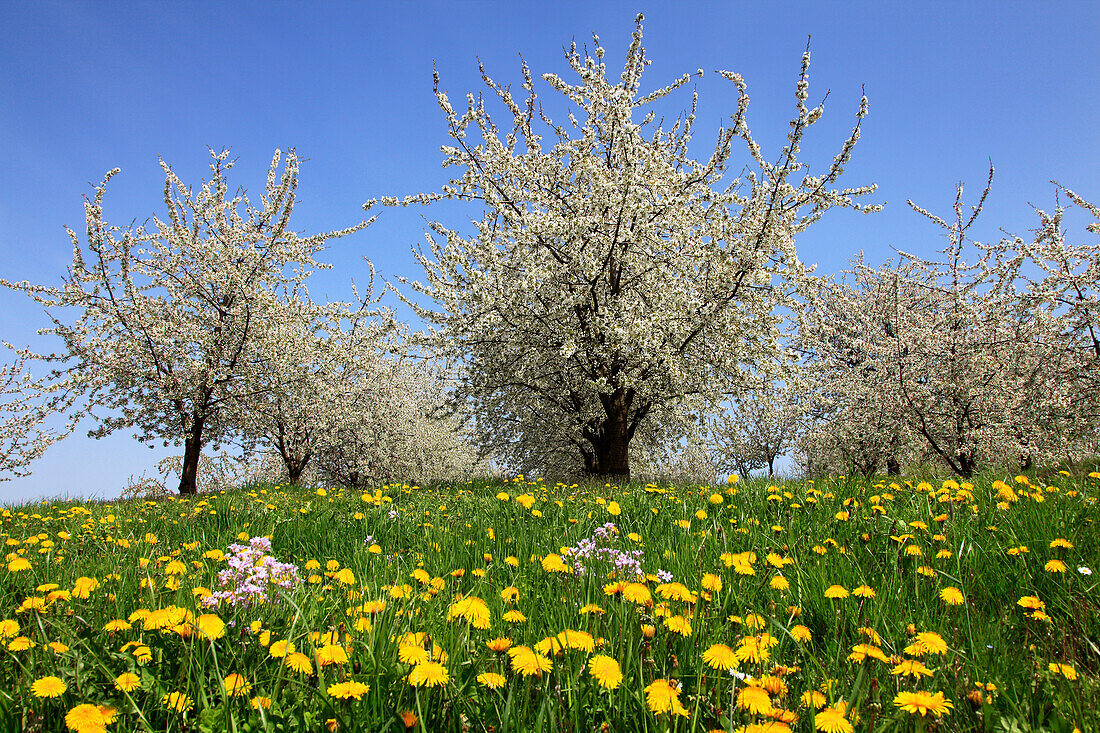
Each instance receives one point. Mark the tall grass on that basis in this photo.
(420, 549)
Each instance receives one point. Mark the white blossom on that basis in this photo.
(615, 286)
(159, 324)
(26, 404)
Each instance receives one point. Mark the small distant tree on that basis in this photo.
(960, 329)
(849, 377)
(310, 356)
(760, 426)
(391, 423)
(158, 323)
(613, 277)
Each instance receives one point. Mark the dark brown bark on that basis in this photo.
(295, 461)
(893, 468)
(192, 450)
(295, 468)
(608, 450)
(893, 465)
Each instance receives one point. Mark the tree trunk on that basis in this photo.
(610, 456)
(610, 444)
(893, 465)
(192, 450)
(295, 465)
(893, 468)
(967, 464)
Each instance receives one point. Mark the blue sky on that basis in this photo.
(90, 86)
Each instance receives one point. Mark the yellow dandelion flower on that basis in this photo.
(88, 718)
(774, 685)
(1063, 669)
(280, 649)
(500, 644)
(236, 685)
(579, 640)
(20, 644)
(116, 625)
(951, 596)
(927, 642)
(48, 687)
(862, 651)
(755, 700)
(663, 696)
(720, 656)
(528, 662)
(492, 680)
(679, 625)
(911, 668)
(813, 699)
(836, 591)
(83, 586)
(299, 663)
(211, 626)
(750, 649)
(832, 720)
(127, 682)
(331, 654)
(553, 563)
(348, 689)
(471, 608)
(923, 703)
(637, 593)
(1031, 602)
(614, 588)
(177, 701)
(606, 671)
(413, 654)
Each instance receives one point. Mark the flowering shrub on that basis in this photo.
(252, 574)
(600, 547)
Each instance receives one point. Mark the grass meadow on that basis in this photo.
(837, 605)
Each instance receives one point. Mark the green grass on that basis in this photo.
(460, 536)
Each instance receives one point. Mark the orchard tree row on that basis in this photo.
(616, 304)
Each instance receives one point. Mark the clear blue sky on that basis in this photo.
(89, 86)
